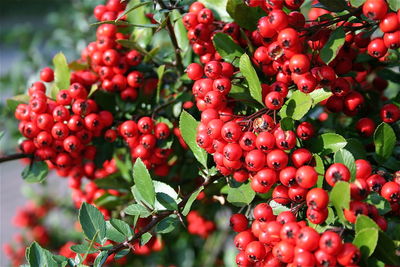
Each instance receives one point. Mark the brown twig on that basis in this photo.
(14, 157)
(177, 50)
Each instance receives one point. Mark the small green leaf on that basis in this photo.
(166, 197)
(160, 74)
(320, 169)
(366, 240)
(35, 172)
(132, 8)
(107, 201)
(13, 102)
(83, 248)
(180, 32)
(143, 182)
(356, 148)
(247, 17)
(327, 143)
(122, 227)
(92, 222)
(145, 238)
(364, 222)
(38, 256)
(379, 202)
(122, 253)
(190, 201)
(394, 5)
(137, 210)
(251, 76)
(167, 225)
(356, 3)
(296, 106)
(62, 74)
(100, 259)
(93, 89)
(345, 157)
(340, 198)
(277, 208)
(319, 95)
(332, 47)
(241, 196)
(227, 48)
(287, 124)
(334, 5)
(188, 127)
(385, 140)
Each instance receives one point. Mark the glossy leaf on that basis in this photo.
(296, 106)
(319, 95)
(188, 127)
(340, 198)
(250, 74)
(166, 197)
(35, 172)
(137, 210)
(92, 222)
(190, 201)
(379, 202)
(384, 140)
(366, 240)
(62, 74)
(364, 222)
(167, 225)
(13, 102)
(331, 48)
(241, 196)
(247, 17)
(143, 182)
(38, 256)
(227, 48)
(327, 143)
(345, 157)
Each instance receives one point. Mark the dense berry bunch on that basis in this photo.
(279, 240)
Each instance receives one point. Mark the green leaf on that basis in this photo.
(379, 202)
(145, 238)
(247, 17)
(320, 169)
(219, 9)
(356, 148)
(107, 201)
(122, 253)
(366, 240)
(140, 35)
(227, 48)
(92, 222)
(160, 75)
(167, 225)
(331, 48)
(394, 5)
(241, 196)
(296, 106)
(13, 102)
(133, 7)
(386, 250)
(364, 222)
(188, 127)
(319, 95)
(340, 198)
(277, 208)
(327, 143)
(190, 201)
(384, 140)
(83, 248)
(122, 227)
(251, 76)
(62, 74)
(93, 89)
(35, 172)
(180, 32)
(100, 259)
(143, 182)
(287, 124)
(334, 5)
(356, 3)
(115, 234)
(345, 157)
(137, 210)
(38, 256)
(166, 197)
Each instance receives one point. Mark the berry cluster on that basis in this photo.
(198, 225)
(60, 131)
(282, 240)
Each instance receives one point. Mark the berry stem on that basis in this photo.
(14, 157)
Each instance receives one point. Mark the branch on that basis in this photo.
(158, 218)
(177, 50)
(14, 157)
